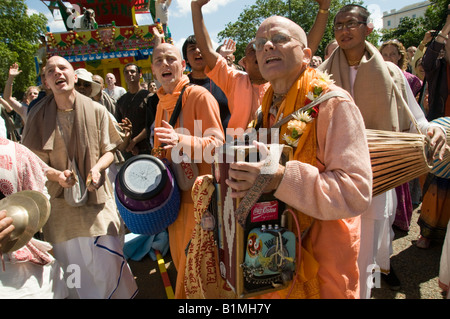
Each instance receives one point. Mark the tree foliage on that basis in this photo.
(19, 41)
(302, 12)
(409, 32)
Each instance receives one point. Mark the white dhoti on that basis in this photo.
(95, 268)
(376, 240)
(26, 280)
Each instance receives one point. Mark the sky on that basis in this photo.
(217, 13)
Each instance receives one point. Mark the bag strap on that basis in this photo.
(177, 109)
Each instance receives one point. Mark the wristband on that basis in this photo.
(442, 36)
(324, 11)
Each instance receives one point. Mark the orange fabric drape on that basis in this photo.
(306, 285)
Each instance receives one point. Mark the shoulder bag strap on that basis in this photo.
(178, 106)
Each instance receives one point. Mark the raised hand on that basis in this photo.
(14, 70)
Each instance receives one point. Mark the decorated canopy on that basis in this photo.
(102, 43)
(114, 40)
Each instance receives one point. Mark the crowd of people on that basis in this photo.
(82, 118)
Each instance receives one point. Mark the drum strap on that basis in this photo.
(250, 136)
(319, 100)
(254, 193)
(251, 197)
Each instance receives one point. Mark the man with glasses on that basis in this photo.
(328, 182)
(382, 94)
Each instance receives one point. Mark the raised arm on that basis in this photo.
(6, 105)
(201, 34)
(159, 37)
(318, 29)
(7, 94)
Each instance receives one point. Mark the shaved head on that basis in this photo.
(282, 52)
(168, 66)
(60, 76)
(165, 47)
(293, 28)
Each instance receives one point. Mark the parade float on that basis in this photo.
(102, 36)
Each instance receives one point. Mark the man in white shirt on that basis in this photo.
(382, 94)
(162, 12)
(112, 89)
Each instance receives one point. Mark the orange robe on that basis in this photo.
(200, 105)
(335, 190)
(244, 97)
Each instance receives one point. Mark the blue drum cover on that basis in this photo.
(152, 221)
(442, 168)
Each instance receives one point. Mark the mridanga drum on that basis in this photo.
(441, 168)
(259, 255)
(147, 195)
(396, 158)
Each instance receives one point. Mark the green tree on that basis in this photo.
(436, 15)
(302, 12)
(19, 41)
(409, 32)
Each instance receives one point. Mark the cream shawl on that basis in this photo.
(379, 90)
(85, 145)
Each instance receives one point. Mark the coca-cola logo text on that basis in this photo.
(263, 211)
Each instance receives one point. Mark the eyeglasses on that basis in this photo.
(84, 84)
(351, 25)
(276, 39)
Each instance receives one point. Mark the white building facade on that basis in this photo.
(393, 18)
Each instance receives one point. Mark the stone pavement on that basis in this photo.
(416, 268)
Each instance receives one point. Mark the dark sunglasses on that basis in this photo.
(84, 84)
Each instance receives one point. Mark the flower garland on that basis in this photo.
(297, 126)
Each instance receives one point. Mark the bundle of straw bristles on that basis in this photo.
(397, 158)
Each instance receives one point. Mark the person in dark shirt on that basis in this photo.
(134, 105)
(194, 60)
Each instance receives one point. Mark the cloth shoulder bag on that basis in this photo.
(77, 195)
